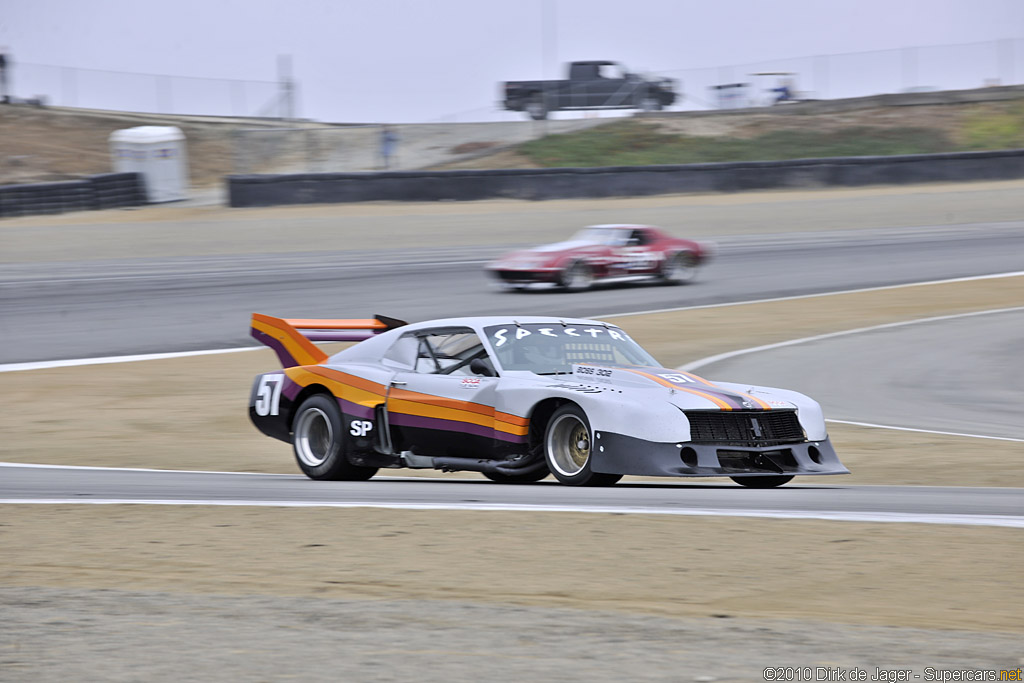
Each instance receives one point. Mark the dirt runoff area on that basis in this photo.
(755, 593)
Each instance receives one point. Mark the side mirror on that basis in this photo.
(482, 366)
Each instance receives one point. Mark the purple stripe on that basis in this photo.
(404, 420)
(290, 389)
(286, 358)
(355, 409)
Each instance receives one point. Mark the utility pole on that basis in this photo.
(287, 85)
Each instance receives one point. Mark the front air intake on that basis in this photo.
(745, 427)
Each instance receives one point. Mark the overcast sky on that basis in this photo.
(364, 60)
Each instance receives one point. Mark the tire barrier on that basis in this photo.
(621, 181)
(106, 191)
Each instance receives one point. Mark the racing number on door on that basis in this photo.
(268, 394)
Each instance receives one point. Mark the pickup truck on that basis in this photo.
(591, 85)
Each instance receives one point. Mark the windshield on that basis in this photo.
(609, 236)
(547, 349)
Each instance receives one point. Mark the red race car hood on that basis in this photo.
(568, 245)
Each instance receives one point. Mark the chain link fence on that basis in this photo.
(859, 74)
(935, 67)
(67, 86)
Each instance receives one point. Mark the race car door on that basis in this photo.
(635, 255)
(440, 407)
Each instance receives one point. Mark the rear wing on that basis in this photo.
(292, 338)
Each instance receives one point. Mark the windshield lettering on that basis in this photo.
(546, 349)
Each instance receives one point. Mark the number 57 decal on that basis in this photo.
(268, 394)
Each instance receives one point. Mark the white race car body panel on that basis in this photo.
(411, 396)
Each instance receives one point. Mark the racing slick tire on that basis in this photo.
(567, 448)
(577, 277)
(527, 478)
(765, 482)
(679, 270)
(318, 442)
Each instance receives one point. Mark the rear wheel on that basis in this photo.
(537, 108)
(650, 103)
(767, 482)
(679, 270)
(577, 277)
(318, 441)
(567, 448)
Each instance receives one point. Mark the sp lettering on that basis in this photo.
(360, 427)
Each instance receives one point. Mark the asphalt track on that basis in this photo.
(135, 306)
(151, 306)
(960, 374)
(921, 504)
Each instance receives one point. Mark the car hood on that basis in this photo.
(683, 389)
(551, 251)
(568, 245)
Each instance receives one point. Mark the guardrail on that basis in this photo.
(106, 191)
(621, 181)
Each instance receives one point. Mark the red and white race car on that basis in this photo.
(602, 252)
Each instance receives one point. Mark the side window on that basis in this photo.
(638, 238)
(402, 354)
(448, 353)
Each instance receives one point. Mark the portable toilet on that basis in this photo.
(158, 153)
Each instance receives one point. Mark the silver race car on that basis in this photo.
(517, 399)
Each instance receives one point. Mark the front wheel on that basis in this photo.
(766, 482)
(567, 449)
(318, 442)
(679, 269)
(577, 277)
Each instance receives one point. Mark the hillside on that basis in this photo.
(48, 144)
(881, 125)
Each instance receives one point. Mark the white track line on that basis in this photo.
(1015, 522)
(43, 365)
(972, 278)
(75, 362)
(690, 367)
(924, 431)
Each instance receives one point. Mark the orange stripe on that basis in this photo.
(755, 399)
(413, 402)
(511, 419)
(671, 385)
(324, 324)
(351, 380)
(302, 350)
